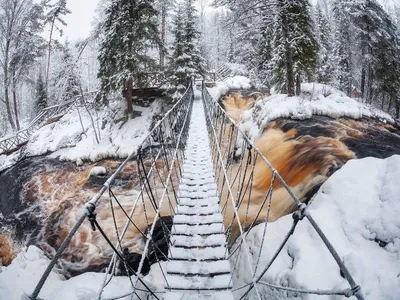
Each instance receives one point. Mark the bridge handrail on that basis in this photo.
(38, 120)
(90, 206)
(213, 108)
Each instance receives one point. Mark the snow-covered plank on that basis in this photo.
(198, 295)
(202, 267)
(199, 283)
(198, 170)
(201, 202)
(207, 219)
(201, 176)
(197, 194)
(184, 229)
(208, 253)
(197, 210)
(197, 187)
(189, 181)
(198, 240)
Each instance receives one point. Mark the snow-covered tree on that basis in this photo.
(265, 55)
(54, 17)
(67, 79)
(163, 7)
(130, 30)
(295, 46)
(41, 94)
(342, 78)
(20, 46)
(376, 33)
(185, 60)
(323, 31)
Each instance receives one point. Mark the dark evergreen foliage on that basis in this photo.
(130, 30)
(185, 60)
(41, 95)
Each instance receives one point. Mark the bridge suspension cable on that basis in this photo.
(236, 163)
(173, 213)
(158, 161)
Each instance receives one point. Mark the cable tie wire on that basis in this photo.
(91, 215)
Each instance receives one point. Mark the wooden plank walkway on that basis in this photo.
(198, 267)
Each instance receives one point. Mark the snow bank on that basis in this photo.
(316, 99)
(22, 275)
(7, 161)
(235, 83)
(74, 139)
(358, 209)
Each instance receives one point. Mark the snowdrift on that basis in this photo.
(73, 137)
(357, 208)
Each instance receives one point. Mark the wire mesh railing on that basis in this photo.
(14, 142)
(145, 220)
(250, 190)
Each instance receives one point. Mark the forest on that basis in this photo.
(351, 45)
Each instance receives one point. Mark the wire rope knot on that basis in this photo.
(90, 207)
(300, 213)
(249, 158)
(352, 292)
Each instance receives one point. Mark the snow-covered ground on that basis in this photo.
(69, 139)
(21, 277)
(358, 209)
(315, 99)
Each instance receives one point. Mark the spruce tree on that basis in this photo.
(130, 30)
(265, 51)
(41, 95)
(376, 32)
(186, 59)
(179, 75)
(294, 41)
(323, 33)
(342, 77)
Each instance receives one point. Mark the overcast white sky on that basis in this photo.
(80, 20)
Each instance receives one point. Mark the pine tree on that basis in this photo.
(41, 95)
(67, 79)
(130, 30)
(342, 78)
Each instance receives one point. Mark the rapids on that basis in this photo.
(42, 197)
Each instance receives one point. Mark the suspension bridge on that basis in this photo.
(202, 175)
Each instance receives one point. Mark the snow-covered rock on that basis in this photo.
(236, 83)
(79, 162)
(98, 171)
(358, 210)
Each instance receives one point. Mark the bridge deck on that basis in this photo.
(198, 267)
